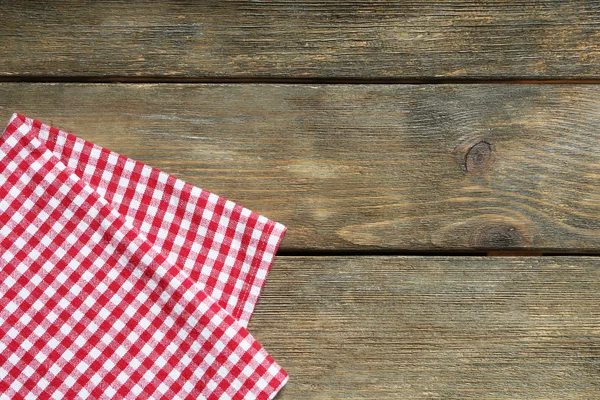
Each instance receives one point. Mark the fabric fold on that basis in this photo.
(226, 248)
(98, 301)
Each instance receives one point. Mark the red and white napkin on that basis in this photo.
(118, 280)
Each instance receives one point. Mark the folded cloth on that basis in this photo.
(118, 280)
(227, 248)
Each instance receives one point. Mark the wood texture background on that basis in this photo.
(309, 39)
(434, 327)
(393, 181)
(355, 167)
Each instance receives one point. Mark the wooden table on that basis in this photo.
(437, 164)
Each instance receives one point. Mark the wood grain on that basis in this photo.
(295, 39)
(434, 327)
(355, 167)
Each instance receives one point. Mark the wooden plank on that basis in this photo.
(316, 39)
(434, 327)
(351, 167)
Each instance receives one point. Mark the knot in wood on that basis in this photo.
(478, 156)
(501, 236)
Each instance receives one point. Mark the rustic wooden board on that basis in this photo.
(310, 39)
(350, 167)
(434, 327)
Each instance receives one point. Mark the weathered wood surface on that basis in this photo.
(434, 327)
(350, 167)
(301, 39)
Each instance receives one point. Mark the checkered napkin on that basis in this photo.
(118, 280)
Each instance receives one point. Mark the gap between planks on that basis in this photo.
(295, 80)
(385, 253)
